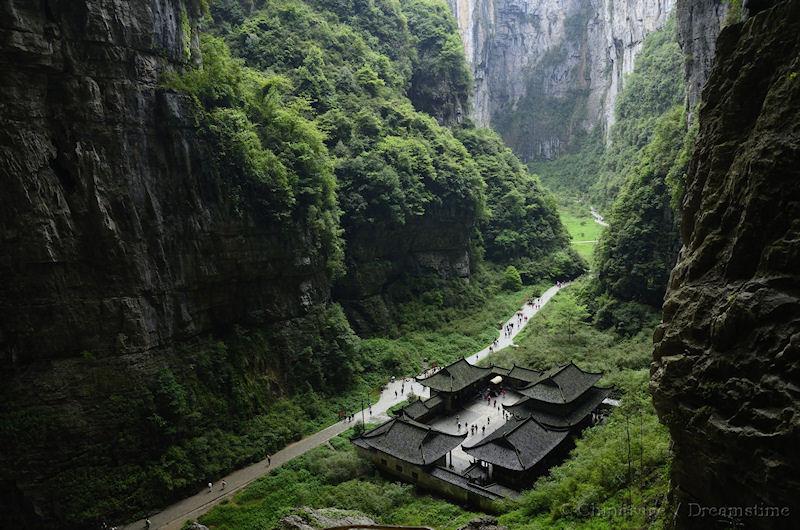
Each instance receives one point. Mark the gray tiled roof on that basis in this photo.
(499, 370)
(410, 440)
(456, 376)
(416, 409)
(525, 374)
(562, 384)
(561, 416)
(421, 407)
(517, 445)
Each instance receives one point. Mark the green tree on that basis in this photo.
(511, 279)
(522, 227)
(569, 314)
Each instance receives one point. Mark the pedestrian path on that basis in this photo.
(527, 310)
(173, 517)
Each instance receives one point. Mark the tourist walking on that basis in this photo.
(210, 487)
(224, 484)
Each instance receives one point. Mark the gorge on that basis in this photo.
(227, 224)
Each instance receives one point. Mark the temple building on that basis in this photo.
(519, 377)
(520, 451)
(417, 453)
(404, 446)
(424, 409)
(456, 382)
(462, 442)
(563, 398)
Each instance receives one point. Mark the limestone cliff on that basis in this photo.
(727, 356)
(546, 71)
(131, 242)
(120, 241)
(112, 211)
(699, 23)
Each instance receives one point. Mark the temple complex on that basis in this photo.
(486, 433)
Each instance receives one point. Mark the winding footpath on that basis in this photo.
(597, 217)
(173, 517)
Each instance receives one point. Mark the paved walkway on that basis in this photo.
(190, 508)
(528, 311)
(597, 217)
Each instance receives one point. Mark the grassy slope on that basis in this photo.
(593, 489)
(583, 231)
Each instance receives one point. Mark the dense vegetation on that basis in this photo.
(653, 88)
(371, 77)
(638, 249)
(440, 82)
(646, 163)
(522, 226)
(616, 477)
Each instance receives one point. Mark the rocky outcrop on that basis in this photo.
(547, 70)
(380, 258)
(727, 357)
(316, 519)
(699, 23)
(118, 233)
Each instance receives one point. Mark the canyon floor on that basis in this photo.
(395, 392)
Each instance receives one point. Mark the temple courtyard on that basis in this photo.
(478, 411)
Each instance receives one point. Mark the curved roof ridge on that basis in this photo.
(581, 369)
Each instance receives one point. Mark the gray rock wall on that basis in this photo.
(546, 70)
(118, 234)
(726, 369)
(119, 244)
(699, 23)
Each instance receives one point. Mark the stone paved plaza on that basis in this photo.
(475, 413)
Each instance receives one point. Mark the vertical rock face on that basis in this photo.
(699, 23)
(726, 370)
(547, 70)
(112, 212)
(379, 258)
(118, 240)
